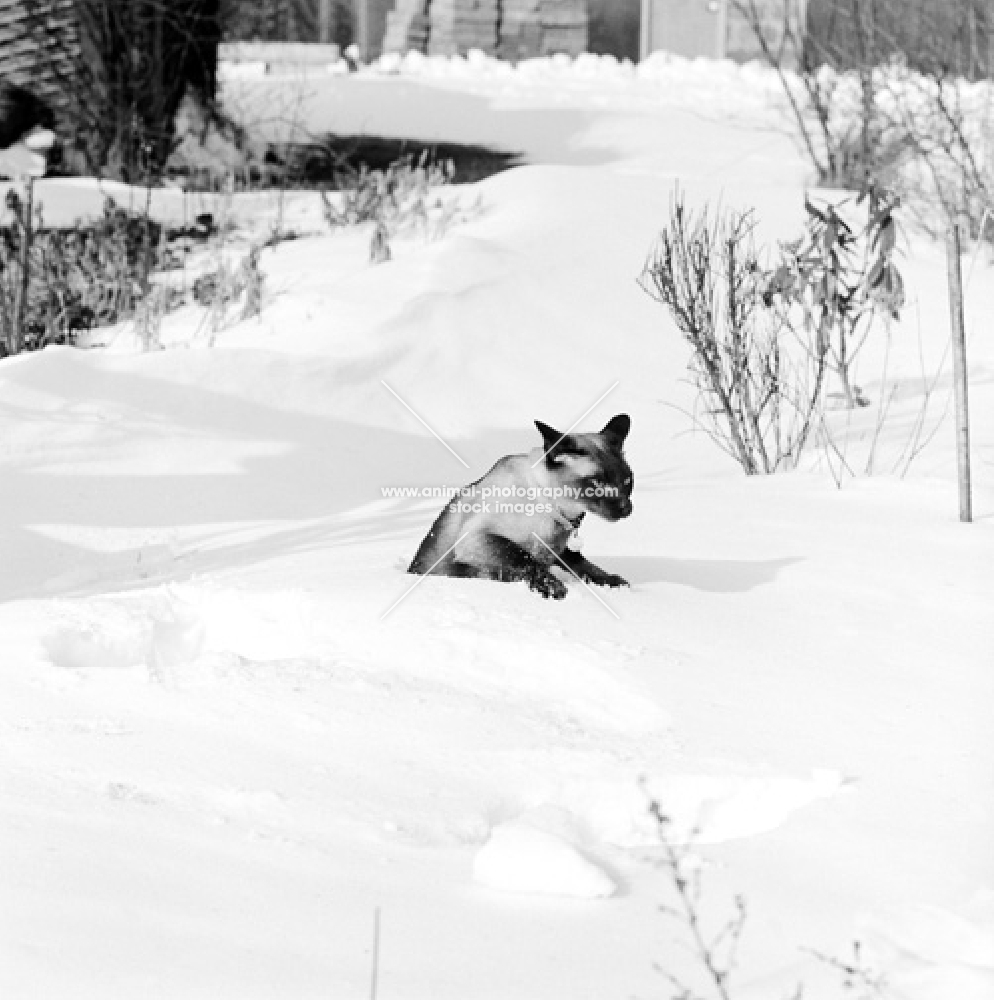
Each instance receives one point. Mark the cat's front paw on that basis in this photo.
(548, 586)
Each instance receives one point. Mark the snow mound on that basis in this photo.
(520, 858)
(592, 78)
(700, 809)
(162, 629)
(710, 810)
(178, 633)
(561, 67)
(95, 635)
(932, 954)
(169, 630)
(521, 666)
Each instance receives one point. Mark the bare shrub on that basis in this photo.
(716, 954)
(231, 292)
(396, 196)
(882, 92)
(859, 979)
(837, 151)
(55, 283)
(836, 280)
(758, 397)
(400, 199)
(948, 125)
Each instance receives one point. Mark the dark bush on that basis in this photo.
(92, 275)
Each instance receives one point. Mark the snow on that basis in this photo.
(521, 858)
(224, 751)
(932, 951)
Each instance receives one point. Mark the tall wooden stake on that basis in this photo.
(960, 383)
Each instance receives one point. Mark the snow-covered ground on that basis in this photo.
(228, 742)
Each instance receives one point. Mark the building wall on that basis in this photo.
(716, 29)
(782, 25)
(343, 22)
(614, 27)
(956, 34)
(288, 20)
(689, 28)
(377, 11)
